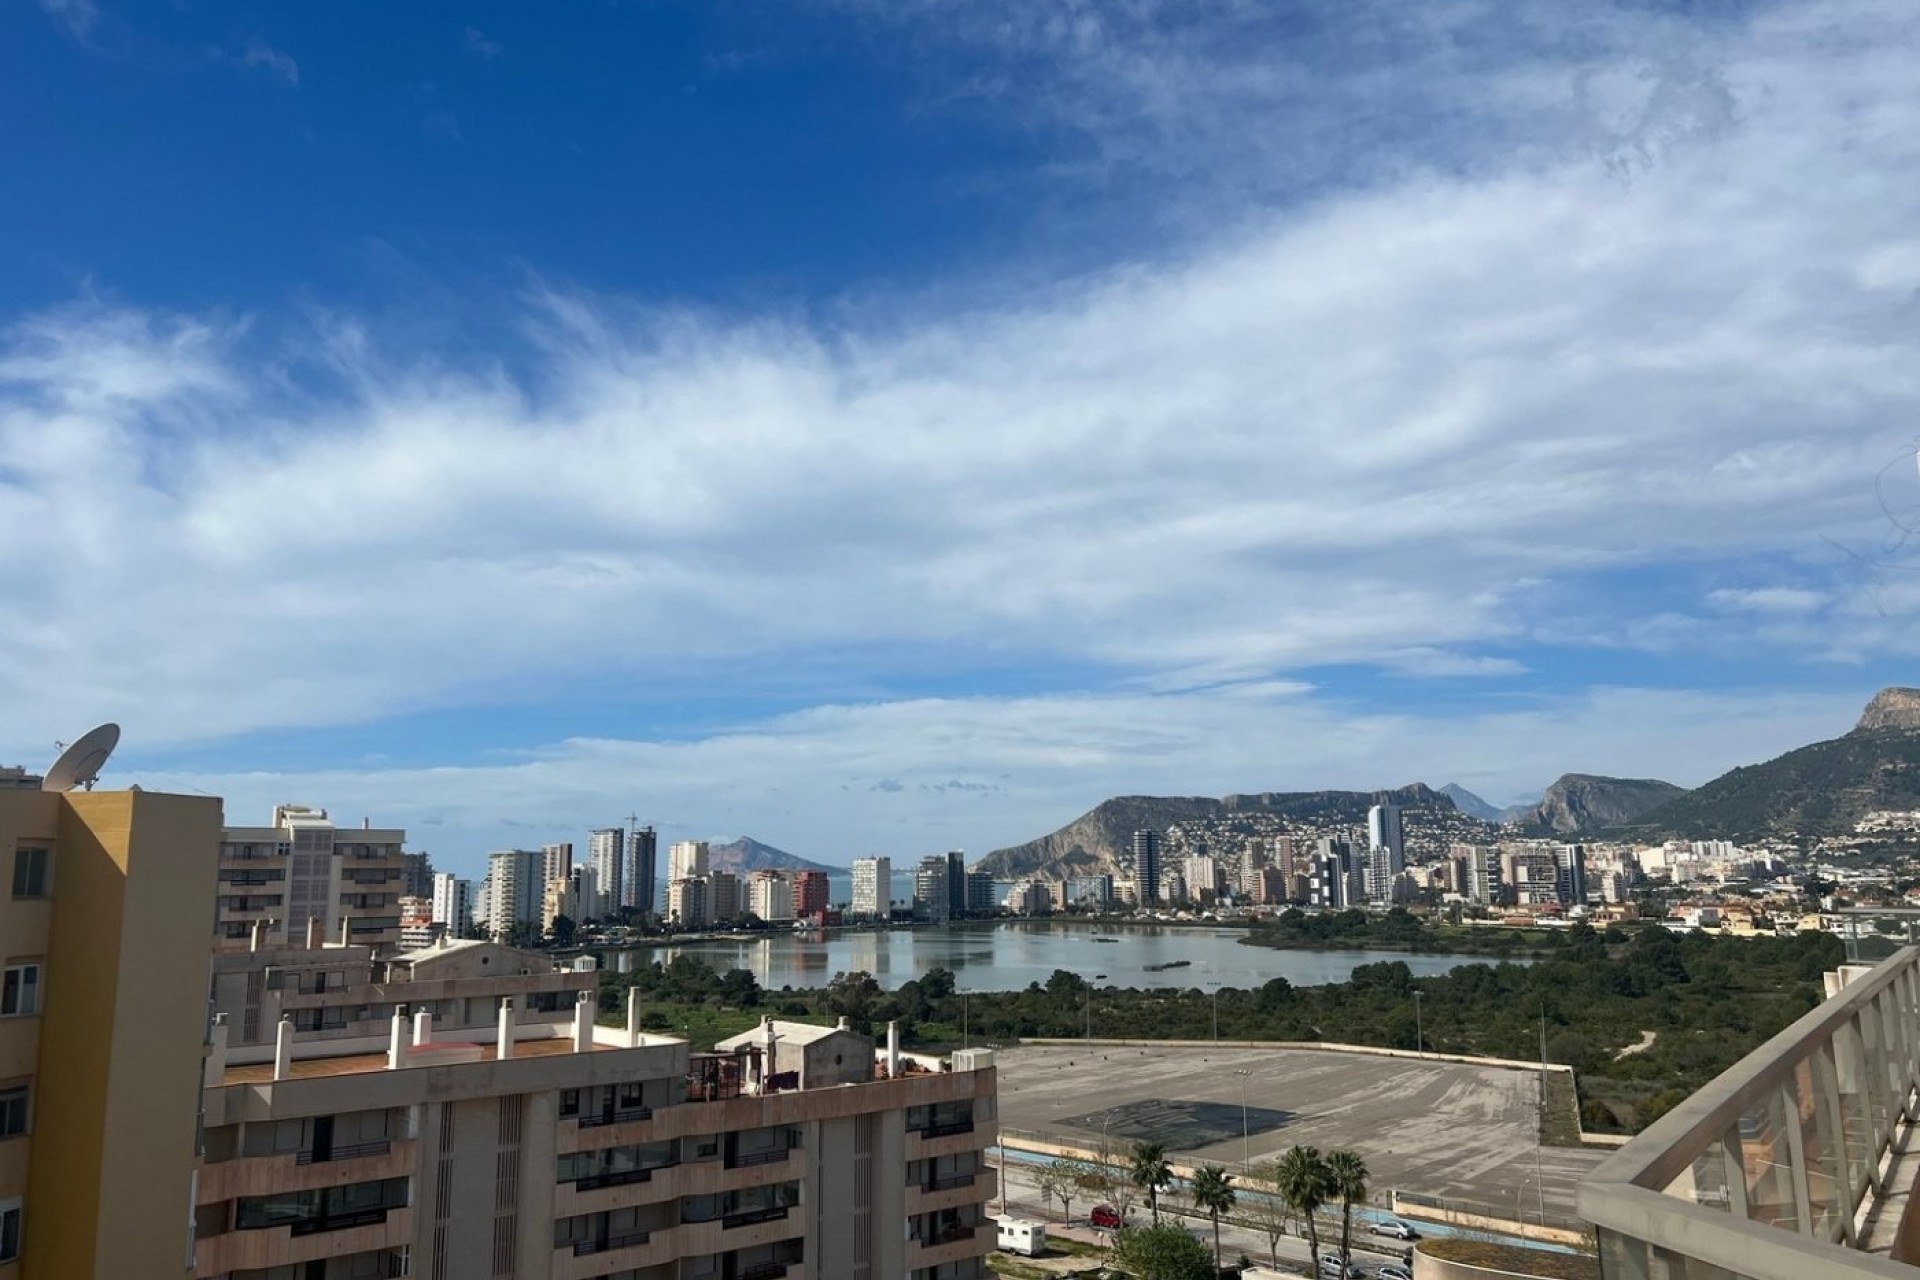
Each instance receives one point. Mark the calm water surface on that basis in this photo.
(1008, 956)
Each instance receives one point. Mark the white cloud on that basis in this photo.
(79, 17)
(1786, 600)
(1663, 316)
(477, 43)
(259, 53)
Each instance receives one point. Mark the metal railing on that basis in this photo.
(946, 1130)
(758, 1157)
(765, 1271)
(339, 1221)
(616, 1117)
(1774, 1169)
(622, 1178)
(606, 1244)
(948, 1182)
(346, 1151)
(751, 1216)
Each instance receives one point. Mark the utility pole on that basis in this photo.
(1539, 1178)
(1419, 1036)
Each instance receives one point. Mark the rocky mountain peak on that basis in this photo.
(1892, 708)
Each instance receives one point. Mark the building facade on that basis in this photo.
(102, 1028)
(549, 1148)
(811, 894)
(453, 903)
(687, 860)
(872, 888)
(639, 890)
(1146, 867)
(606, 851)
(932, 899)
(280, 881)
(515, 890)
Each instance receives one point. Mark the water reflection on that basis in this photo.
(1005, 957)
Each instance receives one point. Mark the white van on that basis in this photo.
(1023, 1236)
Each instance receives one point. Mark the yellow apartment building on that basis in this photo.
(102, 1029)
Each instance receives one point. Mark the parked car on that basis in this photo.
(1394, 1271)
(1105, 1215)
(1394, 1227)
(1331, 1268)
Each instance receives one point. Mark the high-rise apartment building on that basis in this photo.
(723, 895)
(500, 1132)
(872, 888)
(1386, 850)
(687, 902)
(103, 1025)
(1482, 871)
(556, 862)
(1332, 879)
(516, 890)
(770, 896)
(1203, 879)
(981, 898)
(687, 860)
(303, 872)
(453, 903)
(932, 900)
(811, 894)
(956, 883)
(606, 852)
(418, 880)
(1571, 880)
(1146, 867)
(639, 890)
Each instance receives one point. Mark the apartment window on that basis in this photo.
(13, 1111)
(9, 1230)
(30, 872)
(20, 995)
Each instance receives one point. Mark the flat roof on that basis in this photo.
(356, 1063)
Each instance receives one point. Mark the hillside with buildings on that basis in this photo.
(1100, 840)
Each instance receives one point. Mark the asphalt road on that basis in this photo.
(1023, 1200)
(1465, 1133)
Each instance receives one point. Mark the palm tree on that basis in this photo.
(1213, 1191)
(1347, 1178)
(1149, 1170)
(1301, 1178)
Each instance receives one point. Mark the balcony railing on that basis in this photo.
(758, 1157)
(626, 1177)
(338, 1221)
(625, 1240)
(615, 1117)
(947, 1182)
(1779, 1168)
(947, 1235)
(946, 1129)
(764, 1271)
(346, 1151)
(751, 1216)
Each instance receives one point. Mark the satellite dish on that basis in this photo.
(80, 763)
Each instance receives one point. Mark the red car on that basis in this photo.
(1104, 1215)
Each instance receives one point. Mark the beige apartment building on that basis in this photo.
(102, 1029)
(303, 879)
(456, 1113)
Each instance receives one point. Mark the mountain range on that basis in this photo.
(1818, 790)
(747, 854)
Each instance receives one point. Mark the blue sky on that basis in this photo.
(882, 427)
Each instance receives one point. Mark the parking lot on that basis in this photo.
(1465, 1133)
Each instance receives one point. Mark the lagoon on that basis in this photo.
(1007, 955)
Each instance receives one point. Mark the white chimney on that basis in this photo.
(423, 1027)
(503, 1044)
(397, 1038)
(282, 1048)
(893, 1050)
(215, 1069)
(583, 1008)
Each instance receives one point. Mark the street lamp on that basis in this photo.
(1419, 1036)
(1246, 1149)
(1216, 1011)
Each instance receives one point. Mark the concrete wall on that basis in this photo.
(123, 1037)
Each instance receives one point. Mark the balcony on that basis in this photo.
(260, 1249)
(733, 1221)
(753, 1158)
(624, 1178)
(625, 1240)
(764, 1271)
(346, 1151)
(953, 1245)
(948, 1181)
(628, 1116)
(946, 1130)
(1797, 1162)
